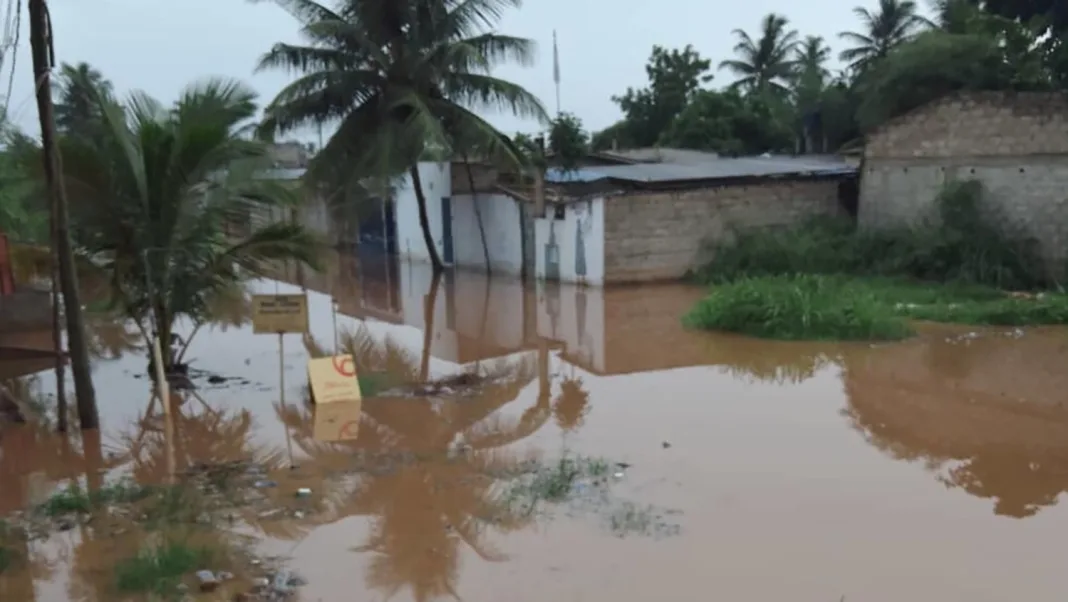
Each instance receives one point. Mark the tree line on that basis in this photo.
(785, 98)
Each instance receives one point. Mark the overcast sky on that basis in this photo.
(160, 46)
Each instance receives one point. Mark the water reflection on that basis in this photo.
(986, 414)
(429, 467)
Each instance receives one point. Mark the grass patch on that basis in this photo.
(797, 308)
(837, 308)
(159, 569)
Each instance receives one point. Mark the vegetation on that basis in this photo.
(784, 97)
(825, 280)
(164, 196)
(159, 569)
(801, 307)
(402, 80)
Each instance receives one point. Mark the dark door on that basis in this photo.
(446, 228)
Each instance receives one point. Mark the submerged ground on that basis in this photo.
(735, 469)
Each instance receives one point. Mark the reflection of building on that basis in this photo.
(620, 330)
(986, 413)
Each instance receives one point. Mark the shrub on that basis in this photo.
(802, 307)
(956, 245)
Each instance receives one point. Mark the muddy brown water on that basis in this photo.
(926, 470)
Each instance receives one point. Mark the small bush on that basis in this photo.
(803, 307)
(956, 245)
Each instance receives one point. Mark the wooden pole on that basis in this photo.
(43, 61)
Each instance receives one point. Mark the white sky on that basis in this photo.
(159, 46)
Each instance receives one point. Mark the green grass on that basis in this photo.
(797, 308)
(159, 569)
(839, 308)
(73, 500)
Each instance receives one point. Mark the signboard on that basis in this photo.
(279, 314)
(336, 421)
(333, 380)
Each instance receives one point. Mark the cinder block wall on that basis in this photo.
(1015, 144)
(662, 235)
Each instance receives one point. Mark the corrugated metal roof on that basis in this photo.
(716, 169)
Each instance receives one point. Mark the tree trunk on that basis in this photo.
(43, 62)
(424, 221)
(57, 334)
(429, 304)
(478, 214)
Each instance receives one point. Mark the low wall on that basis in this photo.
(662, 235)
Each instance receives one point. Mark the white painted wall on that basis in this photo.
(504, 237)
(584, 216)
(573, 315)
(437, 183)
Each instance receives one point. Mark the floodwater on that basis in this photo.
(925, 470)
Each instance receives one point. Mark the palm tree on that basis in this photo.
(894, 22)
(403, 79)
(766, 64)
(156, 190)
(77, 111)
(810, 79)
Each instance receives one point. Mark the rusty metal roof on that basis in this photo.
(717, 169)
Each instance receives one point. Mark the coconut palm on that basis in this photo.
(403, 80)
(810, 79)
(765, 64)
(156, 190)
(894, 22)
(77, 111)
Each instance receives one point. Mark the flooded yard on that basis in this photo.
(610, 455)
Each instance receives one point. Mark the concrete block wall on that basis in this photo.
(1015, 144)
(662, 235)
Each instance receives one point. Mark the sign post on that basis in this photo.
(281, 315)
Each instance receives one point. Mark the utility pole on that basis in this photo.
(44, 59)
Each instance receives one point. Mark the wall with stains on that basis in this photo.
(663, 235)
(569, 243)
(1015, 144)
(437, 183)
(502, 222)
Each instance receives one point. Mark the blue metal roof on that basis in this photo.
(715, 169)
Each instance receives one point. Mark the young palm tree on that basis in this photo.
(766, 64)
(156, 191)
(894, 22)
(402, 79)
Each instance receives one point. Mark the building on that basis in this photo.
(613, 223)
(1016, 144)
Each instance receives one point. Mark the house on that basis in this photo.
(1015, 144)
(614, 223)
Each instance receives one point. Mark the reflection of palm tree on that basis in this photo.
(428, 494)
(430, 302)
